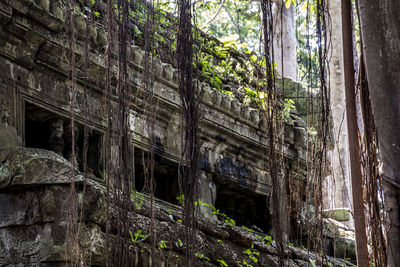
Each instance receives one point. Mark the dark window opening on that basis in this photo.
(47, 130)
(244, 206)
(165, 176)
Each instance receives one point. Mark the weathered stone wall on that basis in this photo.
(35, 94)
(34, 189)
(34, 72)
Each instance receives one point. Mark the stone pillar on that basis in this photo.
(337, 190)
(285, 36)
(207, 194)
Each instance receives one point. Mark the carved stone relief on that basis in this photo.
(173, 137)
(8, 133)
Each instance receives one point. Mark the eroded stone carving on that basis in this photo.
(167, 71)
(8, 134)
(173, 139)
(56, 141)
(4, 113)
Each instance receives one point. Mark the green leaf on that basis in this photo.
(222, 263)
(162, 244)
(218, 79)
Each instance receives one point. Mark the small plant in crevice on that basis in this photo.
(163, 244)
(222, 263)
(201, 256)
(179, 244)
(266, 240)
(247, 229)
(227, 219)
(181, 200)
(252, 255)
(137, 199)
(138, 236)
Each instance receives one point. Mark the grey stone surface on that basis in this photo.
(9, 136)
(33, 230)
(22, 167)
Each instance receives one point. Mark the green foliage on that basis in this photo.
(201, 256)
(254, 98)
(86, 10)
(137, 199)
(247, 229)
(179, 243)
(237, 21)
(227, 219)
(138, 236)
(181, 200)
(307, 48)
(288, 105)
(222, 263)
(216, 212)
(251, 254)
(288, 3)
(209, 72)
(266, 240)
(162, 244)
(199, 202)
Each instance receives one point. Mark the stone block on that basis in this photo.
(9, 136)
(167, 71)
(255, 116)
(208, 95)
(40, 11)
(101, 37)
(22, 6)
(22, 211)
(157, 67)
(137, 55)
(341, 215)
(23, 167)
(245, 112)
(226, 102)
(235, 107)
(5, 13)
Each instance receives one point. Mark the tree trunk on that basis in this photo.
(380, 28)
(354, 149)
(337, 189)
(285, 39)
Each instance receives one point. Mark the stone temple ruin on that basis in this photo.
(35, 141)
